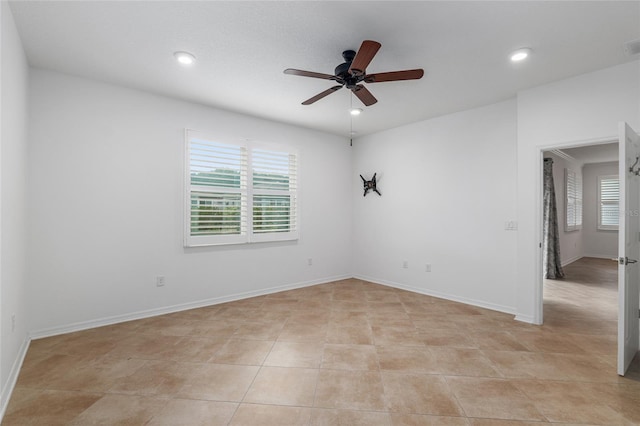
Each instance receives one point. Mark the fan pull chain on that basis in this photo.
(350, 119)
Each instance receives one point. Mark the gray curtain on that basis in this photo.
(552, 267)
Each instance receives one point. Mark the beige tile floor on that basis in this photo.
(342, 353)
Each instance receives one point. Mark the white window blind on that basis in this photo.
(573, 200)
(239, 193)
(275, 185)
(608, 202)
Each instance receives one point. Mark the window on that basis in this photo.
(573, 200)
(608, 202)
(239, 193)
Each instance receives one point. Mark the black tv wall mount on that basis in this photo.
(370, 185)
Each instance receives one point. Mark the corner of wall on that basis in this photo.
(12, 377)
(14, 85)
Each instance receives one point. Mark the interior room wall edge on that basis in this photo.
(14, 87)
(12, 376)
(440, 295)
(101, 322)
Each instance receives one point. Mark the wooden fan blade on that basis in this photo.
(363, 58)
(321, 95)
(302, 73)
(394, 76)
(364, 95)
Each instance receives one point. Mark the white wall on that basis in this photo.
(568, 112)
(448, 187)
(597, 243)
(106, 173)
(571, 242)
(13, 201)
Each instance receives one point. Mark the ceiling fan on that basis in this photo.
(353, 72)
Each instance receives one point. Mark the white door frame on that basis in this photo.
(538, 295)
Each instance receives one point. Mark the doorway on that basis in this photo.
(584, 180)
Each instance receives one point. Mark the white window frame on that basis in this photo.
(246, 192)
(573, 200)
(600, 226)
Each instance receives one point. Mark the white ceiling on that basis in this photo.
(243, 47)
(594, 153)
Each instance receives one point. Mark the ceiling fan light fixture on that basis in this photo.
(184, 58)
(520, 54)
(355, 111)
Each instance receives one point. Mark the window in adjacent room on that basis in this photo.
(608, 202)
(239, 192)
(573, 200)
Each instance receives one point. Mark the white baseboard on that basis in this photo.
(595, 256)
(571, 260)
(453, 298)
(526, 318)
(602, 256)
(85, 325)
(7, 388)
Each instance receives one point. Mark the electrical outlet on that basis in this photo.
(160, 281)
(309, 261)
(427, 267)
(405, 264)
(13, 323)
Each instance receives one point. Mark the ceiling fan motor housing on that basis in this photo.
(342, 70)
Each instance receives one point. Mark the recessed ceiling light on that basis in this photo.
(520, 54)
(184, 58)
(355, 111)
